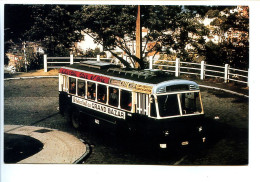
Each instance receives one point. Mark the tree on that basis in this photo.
(59, 26)
(170, 27)
(236, 53)
(53, 26)
(114, 26)
(107, 25)
(212, 13)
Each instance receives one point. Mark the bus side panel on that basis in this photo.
(92, 116)
(64, 102)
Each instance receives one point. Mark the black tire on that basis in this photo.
(67, 114)
(75, 119)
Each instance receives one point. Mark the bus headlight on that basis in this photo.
(163, 145)
(166, 133)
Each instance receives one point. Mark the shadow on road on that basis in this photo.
(225, 137)
(19, 147)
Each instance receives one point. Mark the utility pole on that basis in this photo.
(138, 36)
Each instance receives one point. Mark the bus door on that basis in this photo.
(142, 103)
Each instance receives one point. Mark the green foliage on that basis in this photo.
(235, 53)
(92, 53)
(212, 13)
(227, 53)
(35, 62)
(58, 27)
(6, 60)
(53, 27)
(214, 54)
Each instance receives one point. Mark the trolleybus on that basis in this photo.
(148, 103)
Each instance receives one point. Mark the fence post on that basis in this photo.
(202, 70)
(98, 57)
(226, 73)
(45, 62)
(151, 62)
(177, 67)
(71, 59)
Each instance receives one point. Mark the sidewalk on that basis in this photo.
(53, 72)
(44, 145)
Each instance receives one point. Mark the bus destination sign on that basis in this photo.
(131, 85)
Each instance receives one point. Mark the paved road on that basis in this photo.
(34, 102)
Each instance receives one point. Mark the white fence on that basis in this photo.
(58, 62)
(202, 70)
(178, 67)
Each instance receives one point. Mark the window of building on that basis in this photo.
(81, 88)
(113, 96)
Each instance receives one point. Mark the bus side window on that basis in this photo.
(72, 85)
(113, 96)
(81, 88)
(126, 100)
(91, 91)
(102, 93)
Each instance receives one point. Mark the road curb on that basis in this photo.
(84, 156)
(30, 77)
(225, 90)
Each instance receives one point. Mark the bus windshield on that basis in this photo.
(179, 104)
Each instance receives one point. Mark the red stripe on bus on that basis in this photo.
(88, 76)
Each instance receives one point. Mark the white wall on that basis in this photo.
(88, 43)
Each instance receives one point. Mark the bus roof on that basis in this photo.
(144, 76)
(155, 79)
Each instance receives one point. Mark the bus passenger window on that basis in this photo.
(72, 85)
(91, 91)
(113, 96)
(102, 93)
(126, 100)
(81, 88)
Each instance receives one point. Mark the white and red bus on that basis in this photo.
(151, 103)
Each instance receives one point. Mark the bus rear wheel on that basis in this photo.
(75, 119)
